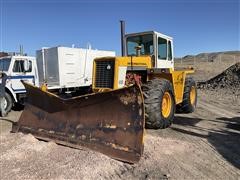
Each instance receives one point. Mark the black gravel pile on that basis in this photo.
(230, 78)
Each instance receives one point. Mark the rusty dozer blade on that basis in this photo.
(109, 122)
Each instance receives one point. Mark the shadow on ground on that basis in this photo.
(7, 120)
(189, 121)
(18, 107)
(226, 140)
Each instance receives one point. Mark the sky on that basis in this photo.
(195, 25)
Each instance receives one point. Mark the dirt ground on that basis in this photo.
(205, 144)
(201, 145)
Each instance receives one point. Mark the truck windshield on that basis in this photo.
(145, 41)
(4, 64)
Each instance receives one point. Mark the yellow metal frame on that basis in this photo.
(178, 80)
(176, 77)
(193, 95)
(143, 61)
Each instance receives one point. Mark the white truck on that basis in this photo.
(65, 70)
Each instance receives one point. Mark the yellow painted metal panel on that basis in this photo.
(135, 61)
(178, 79)
(144, 61)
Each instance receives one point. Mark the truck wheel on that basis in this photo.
(189, 97)
(8, 103)
(159, 103)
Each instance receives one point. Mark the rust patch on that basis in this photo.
(127, 98)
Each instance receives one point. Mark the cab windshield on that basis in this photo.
(4, 64)
(145, 41)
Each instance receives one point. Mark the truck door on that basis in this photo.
(19, 74)
(164, 53)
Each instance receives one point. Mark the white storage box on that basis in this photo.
(63, 67)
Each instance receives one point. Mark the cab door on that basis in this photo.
(164, 53)
(18, 74)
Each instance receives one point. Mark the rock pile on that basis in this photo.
(230, 78)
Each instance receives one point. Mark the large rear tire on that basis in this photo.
(189, 102)
(159, 103)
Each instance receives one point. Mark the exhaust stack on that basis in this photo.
(21, 50)
(122, 37)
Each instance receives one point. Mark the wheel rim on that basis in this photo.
(5, 103)
(166, 105)
(193, 95)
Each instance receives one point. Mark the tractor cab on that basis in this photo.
(151, 43)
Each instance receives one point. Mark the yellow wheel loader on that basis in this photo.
(140, 88)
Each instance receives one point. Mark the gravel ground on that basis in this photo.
(202, 145)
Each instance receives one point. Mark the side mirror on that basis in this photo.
(26, 65)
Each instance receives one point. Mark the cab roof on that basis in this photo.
(149, 32)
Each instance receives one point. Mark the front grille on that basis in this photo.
(104, 77)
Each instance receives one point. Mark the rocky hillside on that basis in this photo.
(211, 57)
(208, 65)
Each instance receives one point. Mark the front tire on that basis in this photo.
(8, 103)
(159, 103)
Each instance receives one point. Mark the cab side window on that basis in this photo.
(162, 48)
(169, 50)
(19, 66)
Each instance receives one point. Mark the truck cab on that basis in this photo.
(17, 68)
(154, 44)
